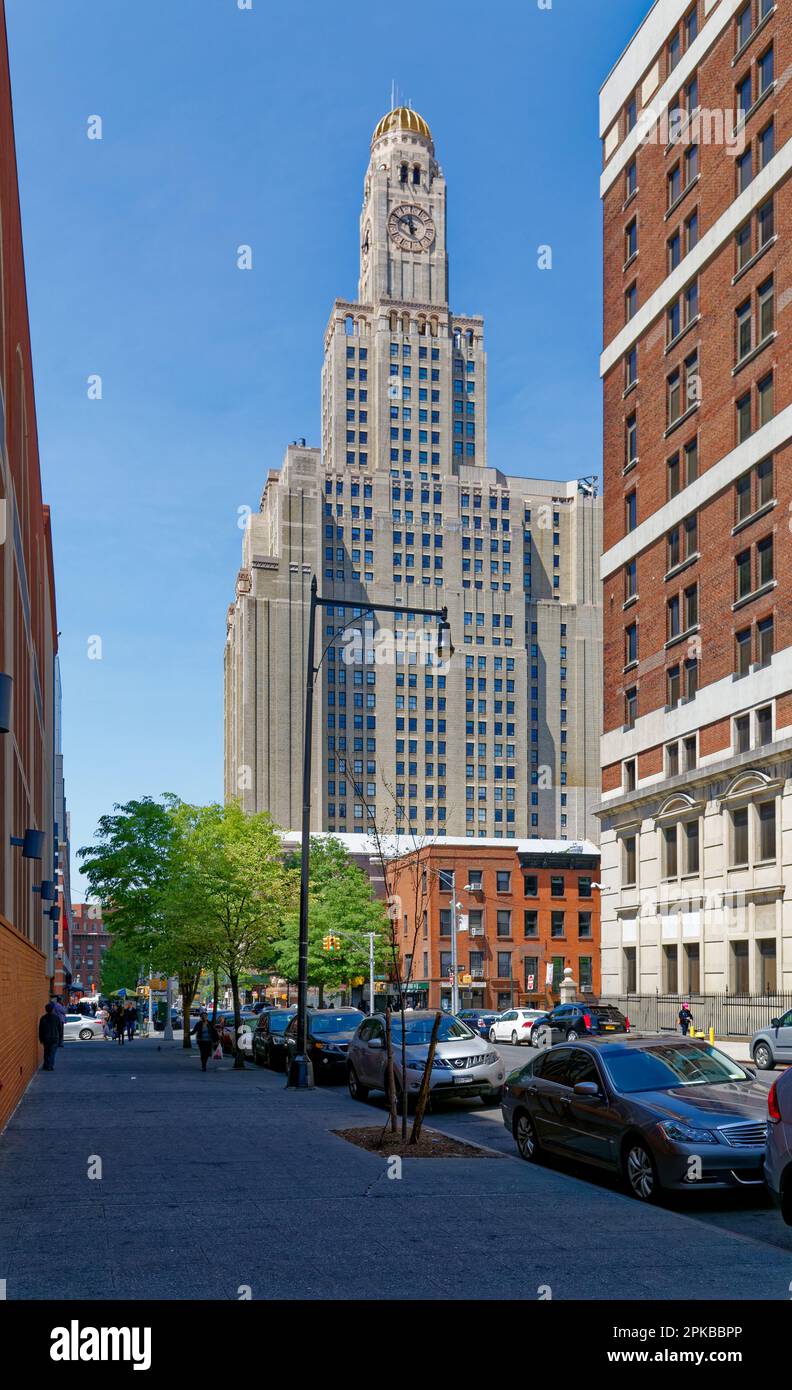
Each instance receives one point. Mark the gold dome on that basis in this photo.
(402, 118)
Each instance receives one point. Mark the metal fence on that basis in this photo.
(731, 1015)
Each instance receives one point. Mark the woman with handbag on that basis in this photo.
(205, 1035)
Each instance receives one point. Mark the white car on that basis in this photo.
(82, 1026)
(514, 1026)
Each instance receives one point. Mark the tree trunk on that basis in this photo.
(390, 1078)
(187, 991)
(423, 1094)
(239, 1061)
(403, 1069)
(215, 993)
(321, 996)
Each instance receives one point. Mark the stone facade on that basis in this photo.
(401, 505)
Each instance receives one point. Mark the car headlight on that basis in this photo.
(685, 1134)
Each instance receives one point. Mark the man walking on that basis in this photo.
(206, 1035)
(49, 1036)
(685, 1019)
(131, 1020)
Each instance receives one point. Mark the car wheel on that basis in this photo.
(356, 1090)
(85, 1033)
(641, 1171)
(526, 1138)
(514, 1038)
(572, 1035)
(763, 1057)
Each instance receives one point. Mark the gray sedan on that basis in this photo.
(464, 1065)
(773, 1044)
(663, 1112)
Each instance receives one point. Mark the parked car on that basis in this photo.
(82, 1026)
(778, 1156)
(514, 1026)
(567, 1022)
(269, 1038)
(477, 1020)
(652, 1109)
(773, 1044)
(463, 1065)
(329, 1034)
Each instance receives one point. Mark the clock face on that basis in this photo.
(411, 228)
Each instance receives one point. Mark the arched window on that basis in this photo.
(394, 323)
(457, 338)
(405, 323)
(403, 173)
(417, 174)
(433, 327)
(349, 326)
(469, 336)
(422, 326)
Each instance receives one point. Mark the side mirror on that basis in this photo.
(587, 1088)
(775, 1022)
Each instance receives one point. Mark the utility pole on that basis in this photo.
(371, 937)
(454, 971)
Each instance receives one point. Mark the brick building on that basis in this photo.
(696, 812)
(28, 639)
(527, 910)
(89, 941)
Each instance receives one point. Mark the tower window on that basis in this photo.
(403, 174)
(417, 174)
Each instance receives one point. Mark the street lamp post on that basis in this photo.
(301, 1071)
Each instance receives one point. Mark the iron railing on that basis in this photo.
(731, 1015)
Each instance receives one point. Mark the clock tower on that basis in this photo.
(403, 221)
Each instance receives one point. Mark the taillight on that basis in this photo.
(773, 1112)
(587, 1020)
(627, 1024)
(526, 1025)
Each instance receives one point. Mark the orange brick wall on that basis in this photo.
(24, 990)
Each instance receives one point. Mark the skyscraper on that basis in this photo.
(401, 505)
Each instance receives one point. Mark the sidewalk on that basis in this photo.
(217, 1181)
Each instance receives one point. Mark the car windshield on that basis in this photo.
(335, 1023)
(660, 1068)
(278, 1022)
(419, 1030)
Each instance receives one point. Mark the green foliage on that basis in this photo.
(340, 903)
(121, 967)
(128, 864)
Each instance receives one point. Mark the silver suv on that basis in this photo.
(773, 1044)
(463, 1065)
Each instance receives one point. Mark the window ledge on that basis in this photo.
(757, 593)
(628, 602)
(628, 467)
(681, 636)
(754, 353)
(630, 199)
(679, 138)
(683, 565)
(760, 101)
(749, 520)
(771, 241)
(760, 26)
(628, 389)
(678, 339)
(631, 666)
(630, 261)
(678, 201)
(680, 420)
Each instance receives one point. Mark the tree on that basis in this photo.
(133, 868)
(231, 877)
(341, 906)
(121, 967)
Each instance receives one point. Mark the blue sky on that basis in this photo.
(224, 126)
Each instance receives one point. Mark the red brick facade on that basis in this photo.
(534, 909)
(27, 651)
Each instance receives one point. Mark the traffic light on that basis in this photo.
(327, 943)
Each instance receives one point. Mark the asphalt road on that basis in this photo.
(751, 1215)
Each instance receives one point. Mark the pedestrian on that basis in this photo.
(685, 1019)
(60, 1014)
(118, 1020)
(130, 1019)
(49, 1035)
(206, 1036)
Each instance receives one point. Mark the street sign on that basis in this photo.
(529, 982)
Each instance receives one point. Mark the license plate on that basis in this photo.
(610, 1027)
(463, 1080)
